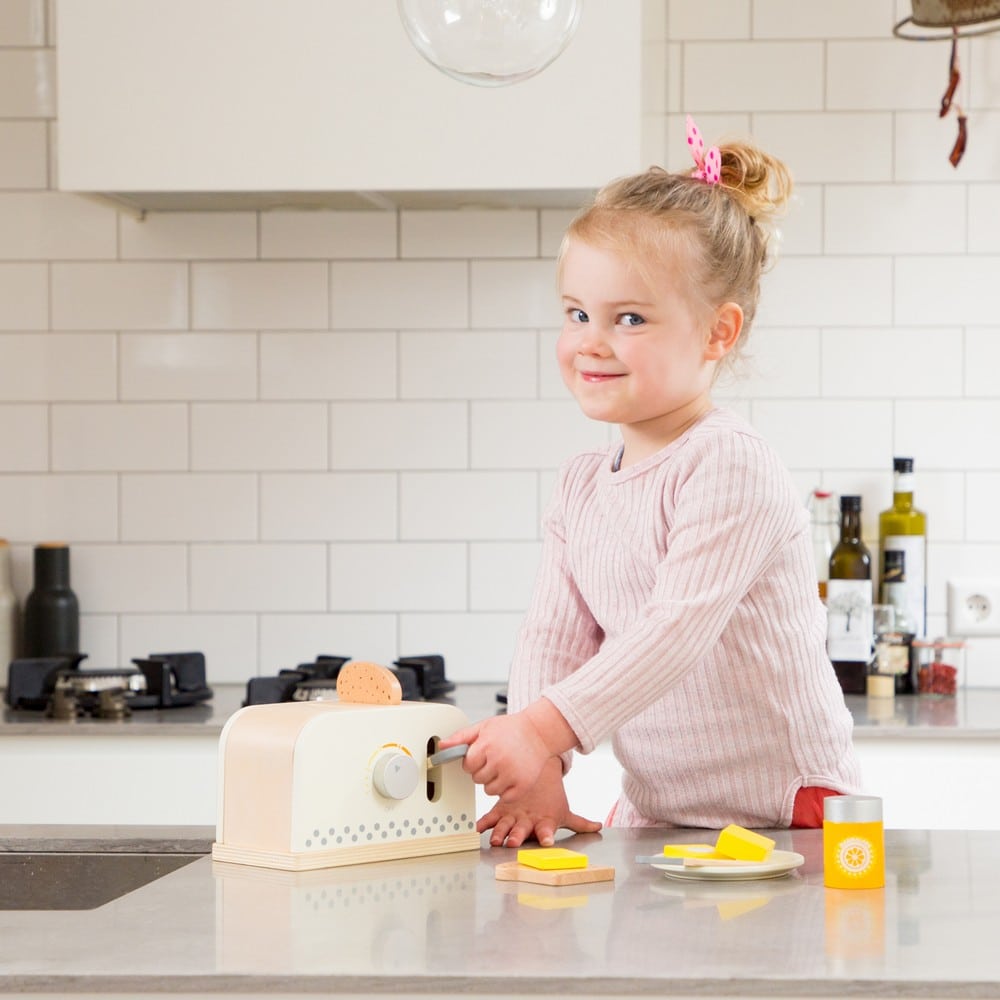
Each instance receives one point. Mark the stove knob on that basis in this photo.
(395, 775)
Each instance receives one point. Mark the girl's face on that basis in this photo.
(635, 353)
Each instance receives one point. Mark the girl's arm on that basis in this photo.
(558, 633)
(507, 753)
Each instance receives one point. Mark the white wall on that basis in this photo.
(270, 435)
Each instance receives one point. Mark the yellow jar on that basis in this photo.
(853, 842)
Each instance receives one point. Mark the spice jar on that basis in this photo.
(939, 660)
(853, 842)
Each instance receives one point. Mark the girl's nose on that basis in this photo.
(593, 341)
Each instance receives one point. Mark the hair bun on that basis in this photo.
(758, 181)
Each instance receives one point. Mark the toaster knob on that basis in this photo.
(395, 775)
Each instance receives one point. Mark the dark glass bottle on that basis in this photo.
(51, 611)
(849, 601)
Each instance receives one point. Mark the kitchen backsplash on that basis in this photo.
(269, 435)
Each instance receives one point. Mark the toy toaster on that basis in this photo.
(305, 785)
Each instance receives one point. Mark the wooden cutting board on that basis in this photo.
(513, 871)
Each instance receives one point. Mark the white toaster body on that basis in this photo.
(306, 785)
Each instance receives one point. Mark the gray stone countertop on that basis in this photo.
(974, 713)
(444, 926)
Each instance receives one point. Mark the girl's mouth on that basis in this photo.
(599, 376)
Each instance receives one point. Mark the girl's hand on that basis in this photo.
(506, 754)
(540, 813)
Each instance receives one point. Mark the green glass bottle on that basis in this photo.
(849, 601)
(903, 528)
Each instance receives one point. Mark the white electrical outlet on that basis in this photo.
(973, 607)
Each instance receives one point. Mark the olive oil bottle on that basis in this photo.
(849, 601)
(903, 528)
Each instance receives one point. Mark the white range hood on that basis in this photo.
(202, 104)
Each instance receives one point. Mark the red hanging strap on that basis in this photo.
(947, 102)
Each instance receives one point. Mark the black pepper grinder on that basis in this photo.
(51, 611)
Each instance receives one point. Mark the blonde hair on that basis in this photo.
(723, 231)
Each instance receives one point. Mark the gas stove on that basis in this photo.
(59, 687)
(422, 678)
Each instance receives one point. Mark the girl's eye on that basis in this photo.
(578, 316)
(631, 319)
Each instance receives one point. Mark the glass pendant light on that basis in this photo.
(490, 42)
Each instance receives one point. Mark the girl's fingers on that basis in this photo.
(467, 735)
(501, 831)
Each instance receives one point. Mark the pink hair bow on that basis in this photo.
(708, 166)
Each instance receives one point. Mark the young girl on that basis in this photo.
(676, 609)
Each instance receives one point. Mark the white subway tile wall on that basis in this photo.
(276, 434)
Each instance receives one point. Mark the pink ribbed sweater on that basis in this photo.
(676, 612)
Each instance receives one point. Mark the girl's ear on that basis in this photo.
(726, 327)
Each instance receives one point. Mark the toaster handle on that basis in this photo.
(452, 753)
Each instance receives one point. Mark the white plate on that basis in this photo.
(778, 864)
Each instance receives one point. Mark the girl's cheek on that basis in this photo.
(565, 348)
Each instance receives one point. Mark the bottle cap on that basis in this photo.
(849, 502)
(852, 809)
(902, 465)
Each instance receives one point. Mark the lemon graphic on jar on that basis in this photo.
(854, 855)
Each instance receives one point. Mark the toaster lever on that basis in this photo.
(452, 753)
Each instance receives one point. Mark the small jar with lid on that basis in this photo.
(853, 842)
(939, 661)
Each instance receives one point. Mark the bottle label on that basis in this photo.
(849, 620)
(914, 588)
(891, 657)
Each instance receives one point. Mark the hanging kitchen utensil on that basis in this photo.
(959, 19)
(954, 77)
(954, 16)
(490, 42)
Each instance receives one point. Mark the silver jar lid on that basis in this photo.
(852, 809)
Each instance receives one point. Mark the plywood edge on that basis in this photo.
(514, 871)
(307, 861)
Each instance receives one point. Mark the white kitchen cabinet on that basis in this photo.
(157, 779)
(932, 783)
(220, 103)
(933, 763)
(927, 784)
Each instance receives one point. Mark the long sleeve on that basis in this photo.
(559, 632)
